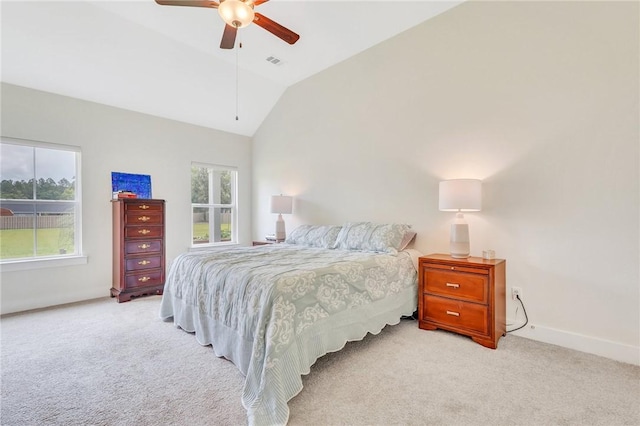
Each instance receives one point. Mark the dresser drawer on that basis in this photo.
(148, 246)
(143, 231)
(141, 263)
(461, 286)
(143, 279)
(142, 206)
(456, 314)
(143, 218)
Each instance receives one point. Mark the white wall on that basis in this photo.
(537, 99)
(113, 139)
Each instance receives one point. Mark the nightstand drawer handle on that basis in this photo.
(144, 279)
(143, 206)
(144, 246)
(143, 231)
(144, 262)
(144, 218)
(453, 285)
(455, 314)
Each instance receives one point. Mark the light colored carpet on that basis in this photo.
(104, 363)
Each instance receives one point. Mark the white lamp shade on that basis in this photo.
(281, 204)
(460, 195)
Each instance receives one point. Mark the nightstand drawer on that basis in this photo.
(457, 285)
(458, 268)
(456, 314)
(263, 243)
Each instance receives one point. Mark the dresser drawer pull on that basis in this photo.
(453, 285)
(144, 218)
(143, 231)
(455, 314)
(144, 246)
(143, 206)
(144, 262)
(144, 279)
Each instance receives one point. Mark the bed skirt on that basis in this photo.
(267, 405)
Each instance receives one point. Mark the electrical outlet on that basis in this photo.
(515, 293)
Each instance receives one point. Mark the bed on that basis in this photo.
(274, 309)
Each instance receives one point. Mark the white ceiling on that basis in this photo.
(166, 60)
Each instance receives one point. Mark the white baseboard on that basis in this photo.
(579, 342)
(48, 300)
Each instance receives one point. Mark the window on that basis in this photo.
(213, 203)
(39, 201)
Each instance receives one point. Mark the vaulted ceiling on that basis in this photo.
(166, 60)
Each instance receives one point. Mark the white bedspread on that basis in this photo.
(275, 309)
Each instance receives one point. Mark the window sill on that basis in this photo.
(25, 265)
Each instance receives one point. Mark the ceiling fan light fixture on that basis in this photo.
(236, 13)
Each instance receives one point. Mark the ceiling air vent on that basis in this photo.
(274, 60)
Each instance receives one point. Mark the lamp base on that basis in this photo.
(459, 238)
(281, 234)
(459, 255)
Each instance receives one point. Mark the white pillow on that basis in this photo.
(314, 235)
(367, 236)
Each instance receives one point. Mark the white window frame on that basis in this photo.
(75, 258)
(233, 206)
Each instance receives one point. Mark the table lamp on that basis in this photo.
(281, 204)
(460, 195)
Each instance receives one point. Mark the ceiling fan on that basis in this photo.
(238, 14)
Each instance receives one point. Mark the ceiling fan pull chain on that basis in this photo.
(237, 49)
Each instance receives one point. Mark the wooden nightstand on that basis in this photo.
(262, 243)
(466, 296)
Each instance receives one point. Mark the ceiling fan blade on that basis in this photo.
(192, 3)
(228, 37)
(259, 2)
(275, 28)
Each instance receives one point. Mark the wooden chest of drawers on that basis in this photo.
(466, 296)
(138, 248)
